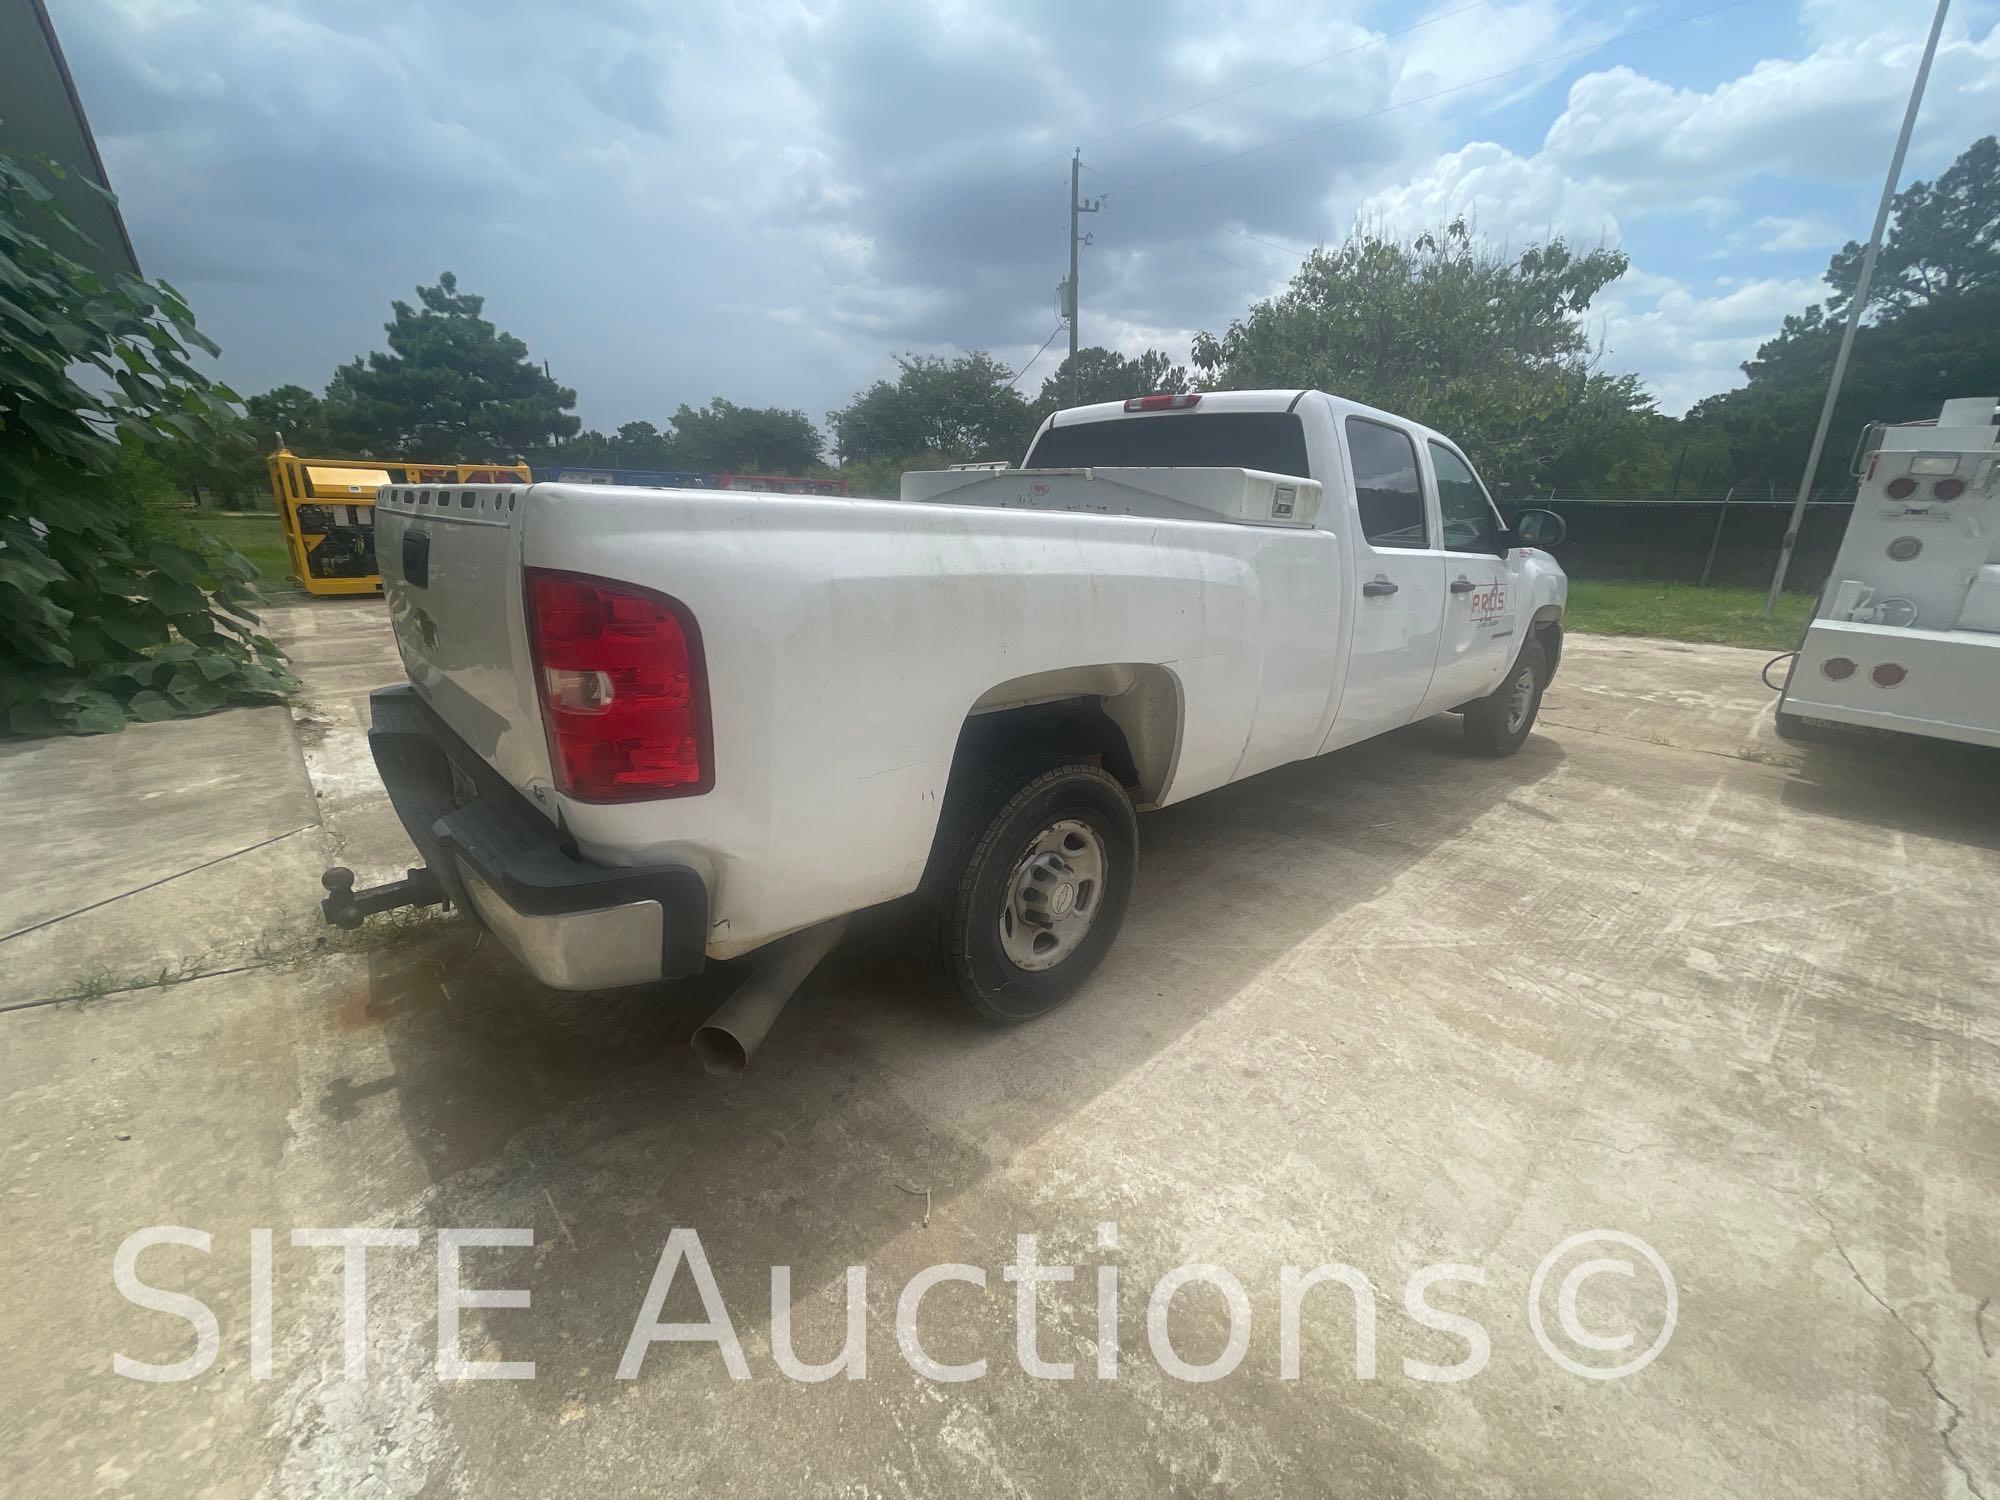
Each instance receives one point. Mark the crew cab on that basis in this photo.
(645, 728)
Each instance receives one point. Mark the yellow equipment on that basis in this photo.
(326, 507)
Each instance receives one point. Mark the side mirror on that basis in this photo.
(1540, 528)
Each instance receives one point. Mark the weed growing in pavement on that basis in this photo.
(282, 949)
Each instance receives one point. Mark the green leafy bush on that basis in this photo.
(109, 609)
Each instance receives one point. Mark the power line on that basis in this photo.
(1037, 355)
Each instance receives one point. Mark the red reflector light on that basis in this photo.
(1948, 489)
(1888, 674)
(623, 686)
(1900, 488)
(1164, 402)
(1839, 668)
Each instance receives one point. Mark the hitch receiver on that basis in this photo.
(345, 907)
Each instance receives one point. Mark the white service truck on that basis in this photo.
(1906, 635)
(645, 728)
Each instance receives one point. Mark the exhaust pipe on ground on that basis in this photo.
(727, 1040)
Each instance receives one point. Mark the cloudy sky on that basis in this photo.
(762, 199)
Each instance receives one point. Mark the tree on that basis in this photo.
(109, 608)
(936, 410)
(452, 386)
(1925, 337)
(290, 414)
(1106, 375)
(1945, 240)
(641, 445)
(1445, 329)
(589, 449)
(723, 437)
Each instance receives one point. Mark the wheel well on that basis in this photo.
(1126, 718)
(1549, 632)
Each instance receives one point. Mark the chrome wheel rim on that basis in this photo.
(1521, 701)
(1053, 895)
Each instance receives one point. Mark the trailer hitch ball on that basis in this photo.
(347, 908)
(339, 904)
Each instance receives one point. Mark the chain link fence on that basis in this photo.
(1708, 539)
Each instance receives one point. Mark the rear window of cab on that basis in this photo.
(1269, 440)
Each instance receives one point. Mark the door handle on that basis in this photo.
(1375, 588)
(1462, 585)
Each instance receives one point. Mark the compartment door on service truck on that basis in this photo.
(1481, 614)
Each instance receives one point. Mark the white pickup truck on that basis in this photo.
(648, 727)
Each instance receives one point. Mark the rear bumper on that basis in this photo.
(1950, 688)
(575, 925)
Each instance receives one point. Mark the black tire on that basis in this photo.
(993, 817)
(1495, 725)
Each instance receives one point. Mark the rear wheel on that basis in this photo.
(1498, 724)
(1028, 883)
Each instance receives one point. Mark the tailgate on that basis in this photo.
(451, 572)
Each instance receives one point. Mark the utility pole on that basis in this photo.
(1854, 308)
(1077, 205)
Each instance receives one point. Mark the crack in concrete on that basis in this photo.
(166, 982)
(1929, 1369)
(1589, 1140)
(152, 885)
(1979, 1325)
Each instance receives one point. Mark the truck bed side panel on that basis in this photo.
(847, 641)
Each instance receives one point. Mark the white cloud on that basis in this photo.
(1467, 45)
(1507, 197)
(1690, 342)
(1836, 20)
(1631, 147)
(1829, 116)
(1783, 232)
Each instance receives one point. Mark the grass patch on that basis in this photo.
(257, 537)
(1682, 612)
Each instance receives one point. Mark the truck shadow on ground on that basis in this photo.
(1935, 789)
(588, 1117)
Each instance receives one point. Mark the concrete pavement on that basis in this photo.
(190, 842)
(1395, 1008)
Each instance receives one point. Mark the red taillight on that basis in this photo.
(1839, 668)
(1948, 489)
(624, 689)
(1164, 402)
(1900, 488)
(1888, 674)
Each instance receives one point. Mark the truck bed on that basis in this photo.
(846, 643)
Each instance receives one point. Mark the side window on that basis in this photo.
(1469, 522)
(1386, 484)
